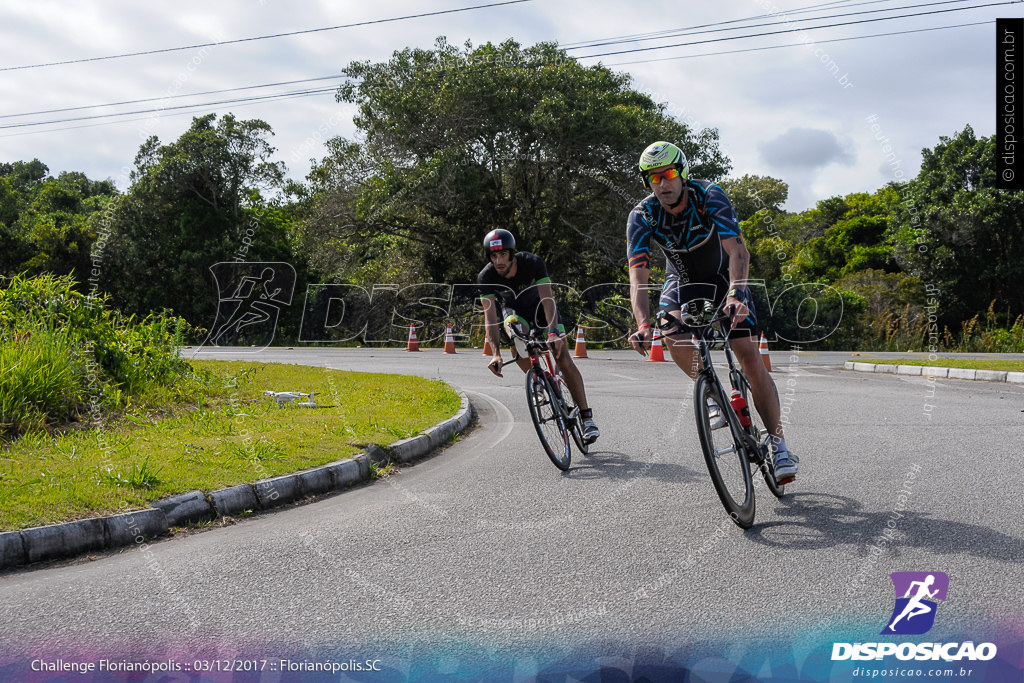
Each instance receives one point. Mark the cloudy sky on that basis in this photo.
(794, 104)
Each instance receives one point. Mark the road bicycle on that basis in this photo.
(554, 413)
(731, 453)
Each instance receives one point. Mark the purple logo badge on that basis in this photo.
(917, 594)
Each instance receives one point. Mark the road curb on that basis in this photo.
(70, 539)
(937, 373)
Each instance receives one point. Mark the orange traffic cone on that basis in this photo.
(581, 344)
(487, 346)
(414, 343)
(657, 354)
(449, 340)
(764, 353)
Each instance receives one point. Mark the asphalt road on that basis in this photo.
(487, 548)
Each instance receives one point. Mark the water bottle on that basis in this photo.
(739, 404)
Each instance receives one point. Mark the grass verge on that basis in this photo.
(1008, 365)
(232, 435)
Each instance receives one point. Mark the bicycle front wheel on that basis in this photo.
(724, 453)
(547, 419)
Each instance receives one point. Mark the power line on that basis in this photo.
(275, 35)
(629, 38)
(641, 36)
(167, 97)
(775, 47)
(160, 109)
(693, 31)
(199, 106)
(793, 30)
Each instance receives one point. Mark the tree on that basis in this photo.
(192, 203)
(753, 193)
(44, 221)
(957, 233)
(458, 142)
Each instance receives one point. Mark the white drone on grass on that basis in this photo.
(283, 397)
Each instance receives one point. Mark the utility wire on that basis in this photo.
(775, 47)
(691, 31)
(167, 97)
(793, 30)
(273, 96)
(640, 36)
(267, 37)
(198, 107)
(180, 106)
(267, 85)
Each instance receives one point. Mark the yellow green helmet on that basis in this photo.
(663, 154)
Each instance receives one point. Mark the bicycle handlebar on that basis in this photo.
(532, 342)
(691, 317)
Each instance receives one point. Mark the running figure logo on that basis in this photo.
(250, 299)
(916, 596)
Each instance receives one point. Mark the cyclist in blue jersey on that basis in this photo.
(515, 287)
(694, 224)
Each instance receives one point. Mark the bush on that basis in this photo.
(39, 377)
(60, 349)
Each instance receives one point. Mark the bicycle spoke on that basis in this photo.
(550, 428)
(725, 457)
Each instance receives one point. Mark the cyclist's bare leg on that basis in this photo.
(571, 374)
(682, 350)
(762, 386)
(523, 363)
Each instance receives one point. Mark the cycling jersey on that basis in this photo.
(691, 241)
(518, 295)
(697, 267)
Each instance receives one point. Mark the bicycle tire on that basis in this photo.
(760, 433)
(572, 412)
(547, 420)
(729, 470)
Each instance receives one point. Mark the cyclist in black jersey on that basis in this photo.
(694, 224)
(515, 287)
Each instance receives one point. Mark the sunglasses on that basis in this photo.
(656, 178)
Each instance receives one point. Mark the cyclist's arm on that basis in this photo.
(547, 300)
(739, 269)
(638, 253)
(491, 324)
(739, 261)
(638, 279)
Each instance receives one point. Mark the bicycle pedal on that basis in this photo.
(787, 480)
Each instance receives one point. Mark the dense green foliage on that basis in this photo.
(45, 224)
(66, 357)
(455, 141)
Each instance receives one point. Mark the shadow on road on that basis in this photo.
(614, 465)
(822, 520)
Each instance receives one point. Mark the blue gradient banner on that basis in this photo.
(806, 656)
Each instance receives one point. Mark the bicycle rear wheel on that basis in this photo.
(574, 422)
(724, 454)
(551, 429)
(760, 433)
